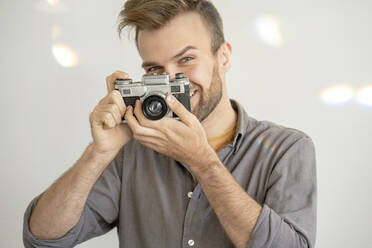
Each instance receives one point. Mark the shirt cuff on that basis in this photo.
(271, 230)
(265, 229)
(30, 241)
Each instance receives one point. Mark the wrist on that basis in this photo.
(206, 167)
(95, 159)
(95, 152)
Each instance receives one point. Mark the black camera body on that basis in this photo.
(152, 91)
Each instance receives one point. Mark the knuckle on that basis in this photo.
(111, 97)
(116, 110)
(107, 116)
(116, 94)
(117, 74)
(117, 120)
(193, 125)
(113, 107)
(112, 94)
(135, 131)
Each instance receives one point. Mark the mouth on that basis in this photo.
(193, 99)
(192, 93)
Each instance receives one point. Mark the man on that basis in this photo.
(214, 178)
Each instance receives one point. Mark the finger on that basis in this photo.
(110, 80)
(138, 113)
(152, 146)
(104, 119)
(143, 121)
(113, 109)
(187, 117)
(137, 129)
(114, 97)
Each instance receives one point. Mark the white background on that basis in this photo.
(44, 107)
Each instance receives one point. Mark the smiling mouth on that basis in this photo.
(192, 93)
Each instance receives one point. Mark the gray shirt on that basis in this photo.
(154, 200)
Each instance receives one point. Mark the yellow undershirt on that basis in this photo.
(223, 139)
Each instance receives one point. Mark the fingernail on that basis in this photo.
(171, 99)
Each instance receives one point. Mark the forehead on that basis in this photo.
(186, 29)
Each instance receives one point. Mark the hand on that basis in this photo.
(109, 134)
(184, 140)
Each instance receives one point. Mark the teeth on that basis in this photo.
(192, 93)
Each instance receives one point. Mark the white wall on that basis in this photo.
(44, 107)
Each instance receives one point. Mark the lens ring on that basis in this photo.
(154, 107)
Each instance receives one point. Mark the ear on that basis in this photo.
(225, 56)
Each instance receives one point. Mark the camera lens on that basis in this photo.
(154, 107)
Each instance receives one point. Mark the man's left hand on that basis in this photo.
(184, 140)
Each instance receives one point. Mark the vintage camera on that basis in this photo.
(152, 90)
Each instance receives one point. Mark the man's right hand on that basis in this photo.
(109, 134)
(59, 208)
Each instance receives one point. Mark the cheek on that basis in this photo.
(199, 74)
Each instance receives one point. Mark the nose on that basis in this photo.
(172, 72)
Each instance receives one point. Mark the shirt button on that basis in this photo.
(189, 194)
(191, 242)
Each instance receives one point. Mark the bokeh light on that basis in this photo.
(52, 2)
(268, 30)
(65, 56)
(52, 6)
(364, 96)
(337, 95)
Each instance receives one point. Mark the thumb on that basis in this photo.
(180, 110)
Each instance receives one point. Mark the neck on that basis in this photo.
(222, 118)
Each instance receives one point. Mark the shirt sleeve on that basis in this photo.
(99, 215)
(288, 216)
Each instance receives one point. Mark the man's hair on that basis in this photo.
(154, 14)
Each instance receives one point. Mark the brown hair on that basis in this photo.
(153, 14)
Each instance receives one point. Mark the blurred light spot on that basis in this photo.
(364, 96)
(268, 30)
(337, 95)
(52, 2)
(56, 32)
(51, 6)
(65, 56)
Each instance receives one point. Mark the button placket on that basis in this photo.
(188, 236)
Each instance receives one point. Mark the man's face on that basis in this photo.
(184, 45)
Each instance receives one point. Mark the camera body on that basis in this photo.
(152, 91)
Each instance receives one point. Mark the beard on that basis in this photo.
(209, 98)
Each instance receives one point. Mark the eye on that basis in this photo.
(154, 68)
(186, 59)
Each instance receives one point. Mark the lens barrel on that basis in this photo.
(154, 107)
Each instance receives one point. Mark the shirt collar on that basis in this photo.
(242, 124)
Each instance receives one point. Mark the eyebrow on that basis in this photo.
(182, 52)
